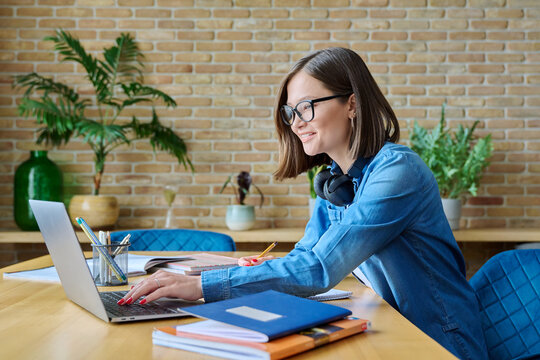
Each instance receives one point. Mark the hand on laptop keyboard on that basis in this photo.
(164, 284)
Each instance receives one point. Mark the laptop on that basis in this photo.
(76, 278)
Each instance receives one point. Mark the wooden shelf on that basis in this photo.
(292, 235)
(497, 235)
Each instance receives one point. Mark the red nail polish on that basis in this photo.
(254, 260)
(129, 300)
(132, 286)
(121, 301)
(142, 302)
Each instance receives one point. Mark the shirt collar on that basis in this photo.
(356, 170)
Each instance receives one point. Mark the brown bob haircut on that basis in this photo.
(342, 71)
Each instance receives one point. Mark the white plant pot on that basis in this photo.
(311, 206)
(452, 210)
(240, 217)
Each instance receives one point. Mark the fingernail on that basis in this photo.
(121, 301)
(254, 260)
(132, 286)
(142, 302)
(129, 300)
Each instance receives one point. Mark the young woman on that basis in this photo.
(379, 212)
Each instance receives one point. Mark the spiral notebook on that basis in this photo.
(332, 294)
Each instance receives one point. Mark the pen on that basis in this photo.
(104, 274)
(124, 241)
(114, 266)
(272, 245)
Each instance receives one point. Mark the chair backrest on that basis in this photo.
(175, 240)
(508, 289)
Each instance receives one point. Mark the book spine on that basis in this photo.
(315, 337)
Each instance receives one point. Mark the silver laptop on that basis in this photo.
(76, 278)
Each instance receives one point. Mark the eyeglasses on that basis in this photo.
(304, 109)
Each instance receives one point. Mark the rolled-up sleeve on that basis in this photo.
(387, 200)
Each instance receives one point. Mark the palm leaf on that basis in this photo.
(58, 118)
(35, 82)
(135, 89)
(102, 135)
(162, 138)
(123, 59)
(72, 49)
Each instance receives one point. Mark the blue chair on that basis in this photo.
(508, 289)
(175, 240)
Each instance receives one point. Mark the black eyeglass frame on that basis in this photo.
(295, 111)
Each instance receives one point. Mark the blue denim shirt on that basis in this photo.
(396, 233)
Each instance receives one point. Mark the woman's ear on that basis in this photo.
(352, 106)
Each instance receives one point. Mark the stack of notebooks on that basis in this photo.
(268, 325)
(192, 264)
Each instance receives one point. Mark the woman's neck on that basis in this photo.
(344, 162)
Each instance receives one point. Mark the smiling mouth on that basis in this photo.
(307, 136)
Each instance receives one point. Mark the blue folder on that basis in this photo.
(270, 312)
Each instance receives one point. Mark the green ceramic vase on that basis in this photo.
(37, 178)
(240, 217)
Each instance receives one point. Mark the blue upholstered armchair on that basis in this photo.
(175, 240)
(508, 290)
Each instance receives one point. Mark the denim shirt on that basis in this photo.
(396, 234)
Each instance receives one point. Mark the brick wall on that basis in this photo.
(223, 60)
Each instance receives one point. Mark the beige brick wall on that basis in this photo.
(222, 61)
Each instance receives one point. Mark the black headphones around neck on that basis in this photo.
(338, 189)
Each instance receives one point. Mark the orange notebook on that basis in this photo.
(275, 349)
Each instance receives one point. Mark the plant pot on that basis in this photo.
(99, 211)
(240, 217)
(452, 210)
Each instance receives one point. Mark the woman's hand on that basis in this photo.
(164, 283)
(253, 260)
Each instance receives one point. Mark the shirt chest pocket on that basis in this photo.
(335, 215)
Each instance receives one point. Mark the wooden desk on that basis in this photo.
(38, 321)
(292, 235)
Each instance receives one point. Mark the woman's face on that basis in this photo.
(329, 131)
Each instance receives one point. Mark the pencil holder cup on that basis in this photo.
(107, 260)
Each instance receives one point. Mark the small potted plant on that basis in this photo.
(457, 160)
(311, 173)
(241, 216)
(64, 113)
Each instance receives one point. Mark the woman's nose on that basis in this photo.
(298, 123)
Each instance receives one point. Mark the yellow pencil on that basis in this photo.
(272, 245)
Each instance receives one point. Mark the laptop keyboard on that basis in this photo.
(110, 299)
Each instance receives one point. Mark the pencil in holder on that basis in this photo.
(103, 273)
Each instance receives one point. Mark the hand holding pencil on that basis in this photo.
(257, 259)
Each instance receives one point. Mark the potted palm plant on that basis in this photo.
(241, 216)
(457, 160)
(117, 82)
